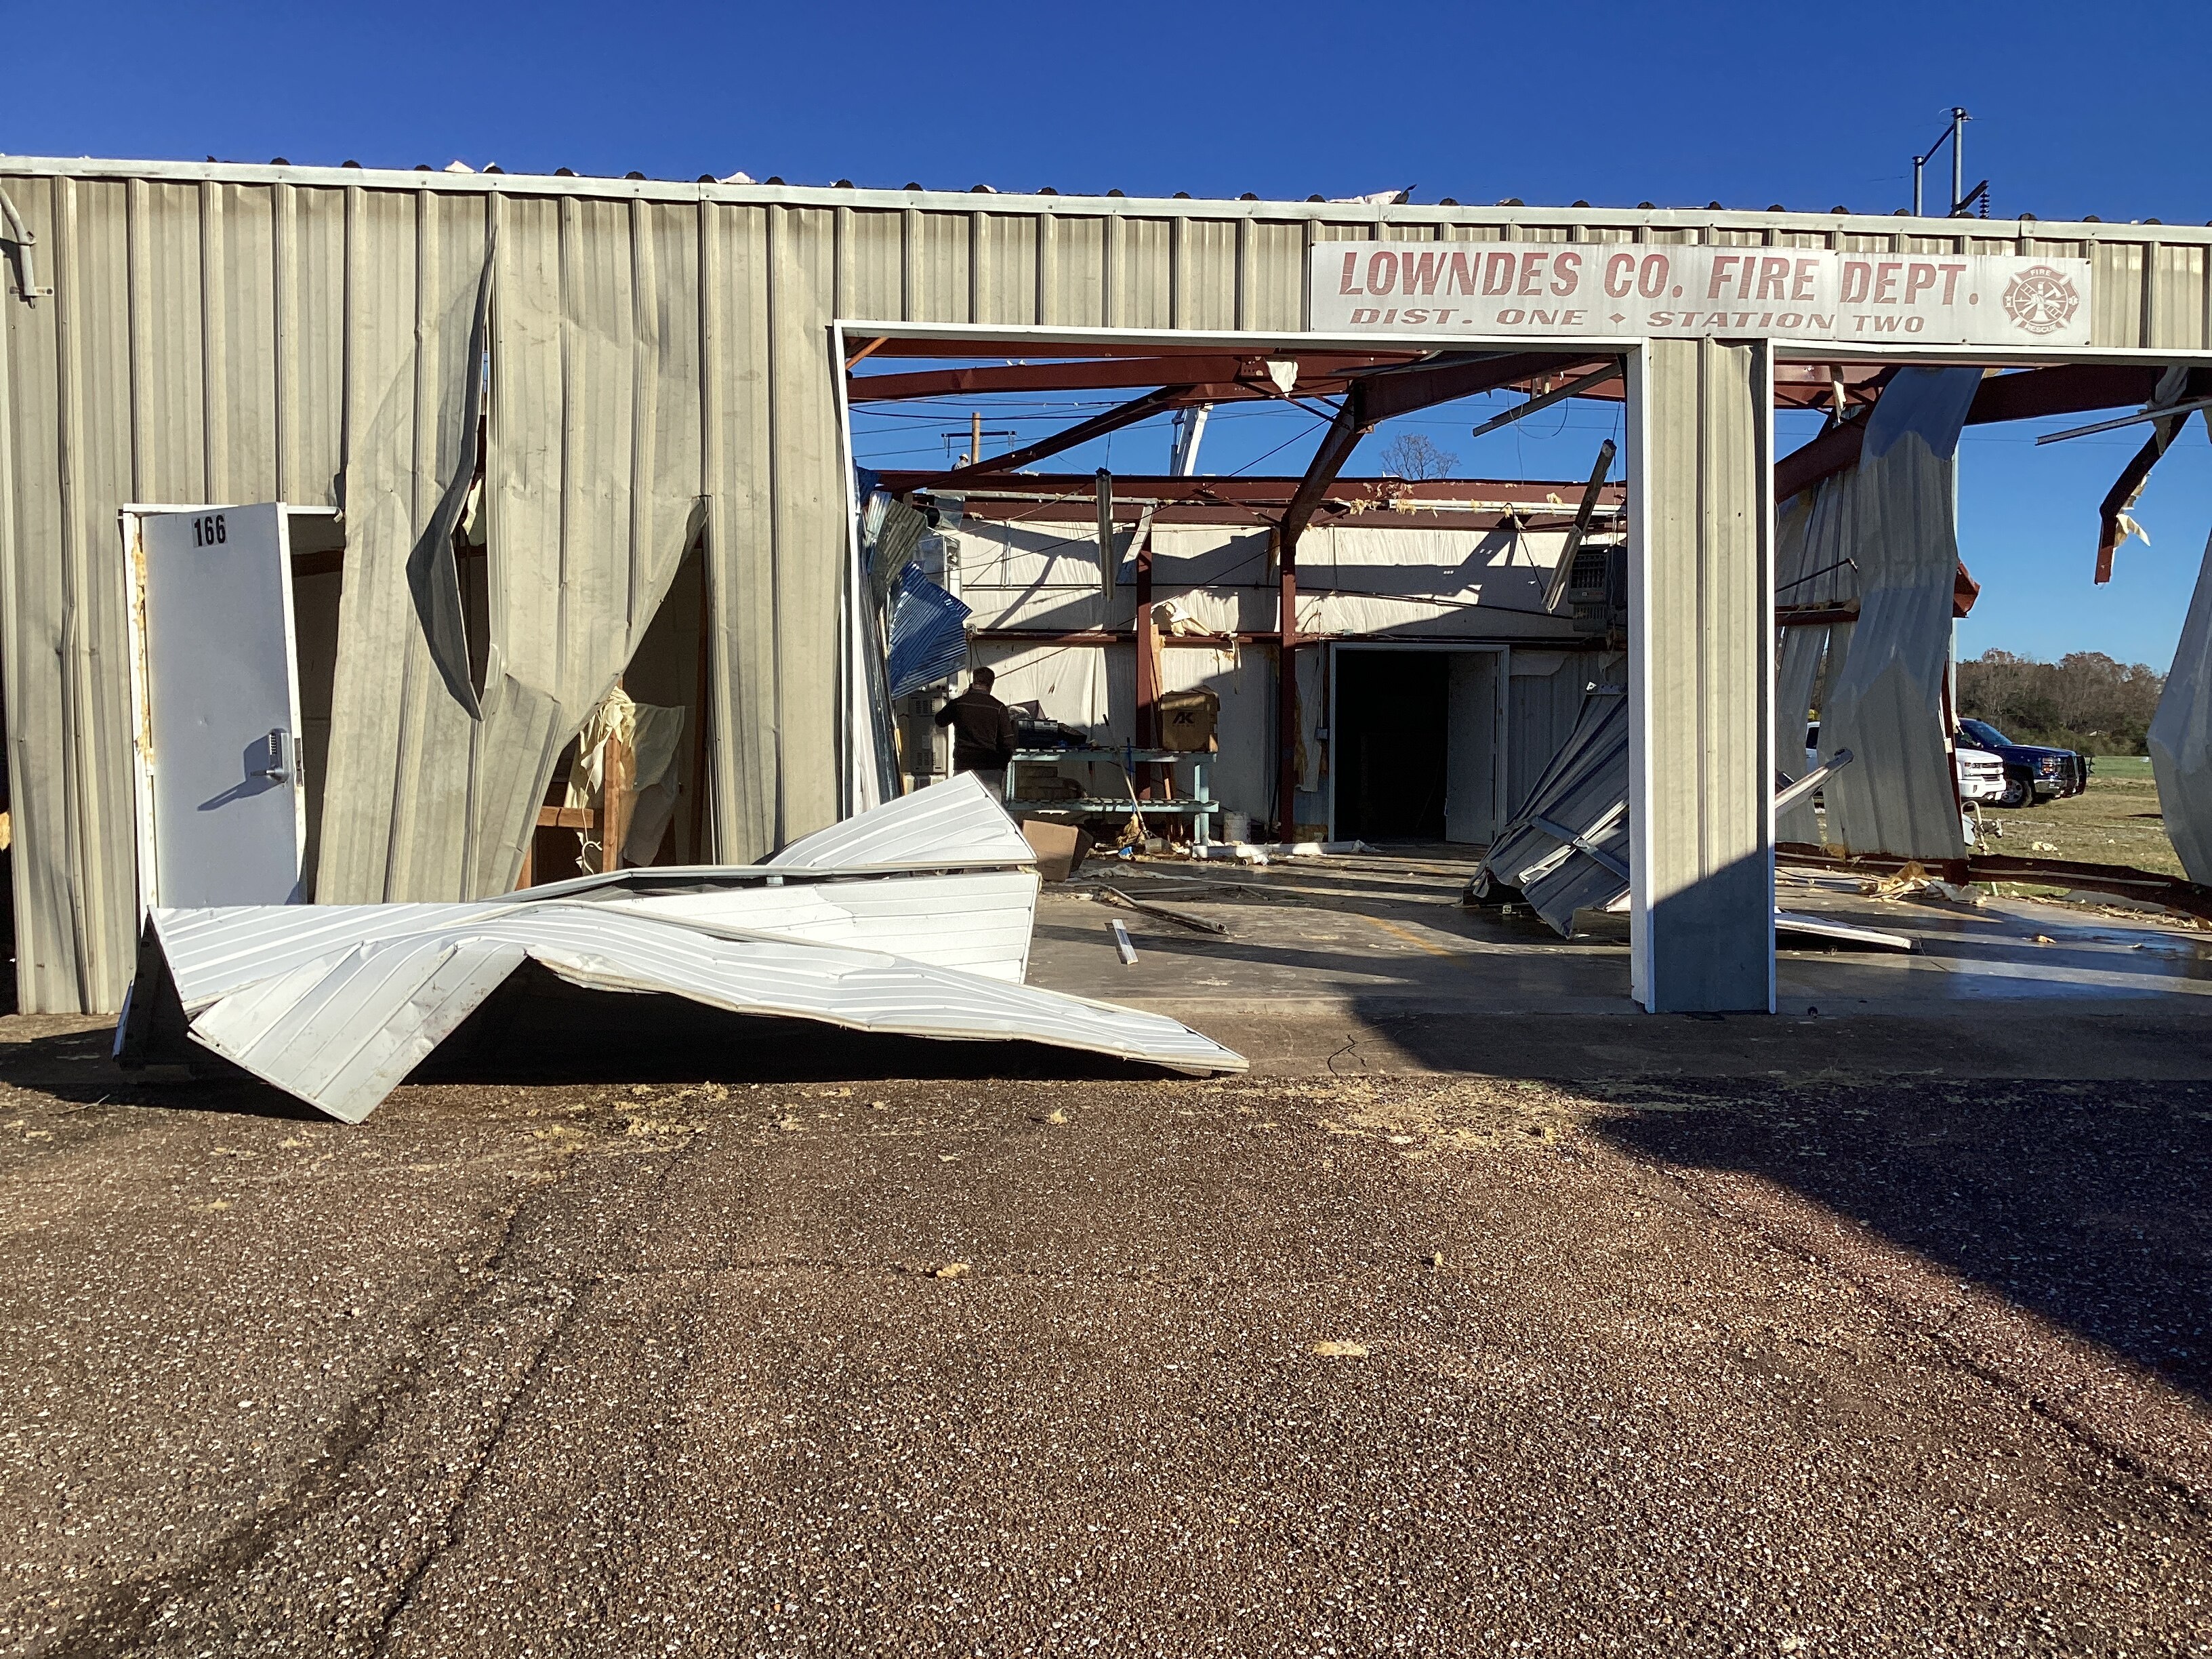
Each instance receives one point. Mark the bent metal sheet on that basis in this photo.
(1641, 291)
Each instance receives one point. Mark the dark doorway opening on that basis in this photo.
(1393, 712)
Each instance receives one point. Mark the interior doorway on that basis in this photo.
(1416, 743)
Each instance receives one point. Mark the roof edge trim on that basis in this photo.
(1004, 204)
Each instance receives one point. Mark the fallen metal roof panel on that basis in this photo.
(342, 1030)
(1567, 848)
(335, 1004)
(958, 819)
(976, 921)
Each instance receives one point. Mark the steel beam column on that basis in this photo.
(1148, 656)
(1701, 604)
(1287, 694)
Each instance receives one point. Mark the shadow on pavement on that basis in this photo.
(537, 1027)
(538, 1030)
(2089, 1204)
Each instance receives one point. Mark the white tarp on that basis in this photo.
(912, 919)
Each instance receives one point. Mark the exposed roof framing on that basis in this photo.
(1223, 377)
(1372, 390)
(1259, 489)
(1383, 393)
(1226, 376)
(2071, 389)
(1128, 414)
(1452, 504)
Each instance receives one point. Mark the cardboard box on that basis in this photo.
(1060, 848)
(1187, 719)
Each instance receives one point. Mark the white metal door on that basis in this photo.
(221, 809)
(1471, 748)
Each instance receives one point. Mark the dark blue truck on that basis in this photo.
(2032, 774)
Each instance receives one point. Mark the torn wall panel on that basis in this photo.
(1566, 847)
(394, 797)
(593, 469)
(956, 822)
(1811, 566)
(2181, 735)
(1886, 705)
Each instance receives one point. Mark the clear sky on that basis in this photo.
(2079, 109)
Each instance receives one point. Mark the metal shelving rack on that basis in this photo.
(1198, 806)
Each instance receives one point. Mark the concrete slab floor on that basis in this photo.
(1378, 953)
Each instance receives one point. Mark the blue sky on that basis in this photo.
(2079, 110)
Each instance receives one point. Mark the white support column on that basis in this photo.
(1700, 670)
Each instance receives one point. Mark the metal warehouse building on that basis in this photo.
(638, 390)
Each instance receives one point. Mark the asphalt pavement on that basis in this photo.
(1317, 1365)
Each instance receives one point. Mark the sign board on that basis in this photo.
(1645, 291)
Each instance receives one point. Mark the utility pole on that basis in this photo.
(974, 436)
(1956, 136)
(1958, 157)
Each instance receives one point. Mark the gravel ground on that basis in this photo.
(1276, 1366)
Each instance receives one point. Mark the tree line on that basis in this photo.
(2085, 701)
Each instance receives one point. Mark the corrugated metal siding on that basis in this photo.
(1540, 711)
(395, 804)
(240, 333)
(49, 942)
(1885, 703)
(2181, 734)
(810, 547)
(93, 322)
(594, 468)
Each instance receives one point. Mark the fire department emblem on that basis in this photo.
(2041, 301)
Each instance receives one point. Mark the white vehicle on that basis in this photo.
(1981, 775)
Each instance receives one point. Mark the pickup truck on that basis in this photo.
(2032, 774)
(1981, 776)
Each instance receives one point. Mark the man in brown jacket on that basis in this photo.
(983, 732)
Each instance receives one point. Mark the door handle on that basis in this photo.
(276, 750)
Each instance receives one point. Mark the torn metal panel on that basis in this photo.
(1567, 848)
(593, 471)
(1895, 521)
(342, 1031)
(338, 1003)
(433, 574)
(977, 922)
(1832, 932)
(1810, 568)
(2181, 735)
(950, 824)
(2175, 390)
(928, 634)
(396, 781)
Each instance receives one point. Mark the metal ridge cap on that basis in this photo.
(1379, 219)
